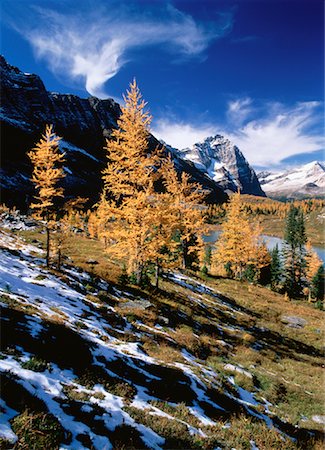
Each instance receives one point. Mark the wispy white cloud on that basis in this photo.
(94, 46)
(179, 134)
(266, 133)
(239, 110)
(279, 133)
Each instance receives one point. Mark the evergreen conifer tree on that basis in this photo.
(276, 268)
(317, 284)
(294, 252)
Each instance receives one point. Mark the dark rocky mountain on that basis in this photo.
(225, 164)
(26, 106)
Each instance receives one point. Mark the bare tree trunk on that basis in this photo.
(139, 274)
(59, 259)
(157, 274)
(183, 244)
(47, 246)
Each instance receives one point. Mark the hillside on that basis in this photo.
(89, 363)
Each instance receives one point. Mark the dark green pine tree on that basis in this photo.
(317, 284)
(275, 268)
(294, 252)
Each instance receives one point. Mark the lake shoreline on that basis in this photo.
(270, 240)
(316, 241)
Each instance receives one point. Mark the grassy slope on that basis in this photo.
(286, 363)
(274, 226)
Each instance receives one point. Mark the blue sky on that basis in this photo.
(252, 70)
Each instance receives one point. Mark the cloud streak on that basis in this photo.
(266, 133)
(280, 133)
(180, 134)
(93, 47)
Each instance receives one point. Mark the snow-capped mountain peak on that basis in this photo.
(307, 180)
(224, 163)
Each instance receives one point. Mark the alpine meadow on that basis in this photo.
(162, 263)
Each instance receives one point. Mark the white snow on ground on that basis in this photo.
(16, 221)
(5, 428)
(8, 241)
(24, 280)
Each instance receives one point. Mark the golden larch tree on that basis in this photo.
(187, 209)
(124, 211)
(239, 245)
(47, 173)
(313, 263)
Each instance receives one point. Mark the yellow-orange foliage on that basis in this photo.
(239, 244)
(137, 223)
(130, 166)
(313, 263)
(47, 172)
(186, 205)
(125, 211)
(266, 206)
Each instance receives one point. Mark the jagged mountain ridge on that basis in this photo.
(304, 181)
(26, 106)
(225, 164)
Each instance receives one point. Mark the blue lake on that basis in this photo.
(270, 241)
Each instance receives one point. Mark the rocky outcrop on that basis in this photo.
(225, 164)
(26, 106)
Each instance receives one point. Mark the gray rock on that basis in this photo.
(233, 368)
(294, 321)
(319, 419)
(163, 320)
(136, 304)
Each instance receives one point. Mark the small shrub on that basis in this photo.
(162, 351)
(248, 338)
(40, 277)
(185, 337)
(37, 431)
(124, 279)
(99, 395)
(36, 364)
(244, 381)
(320, 305)
(80, 325)
(73, 394)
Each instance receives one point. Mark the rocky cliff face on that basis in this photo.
(83, 124)
(225, 164)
